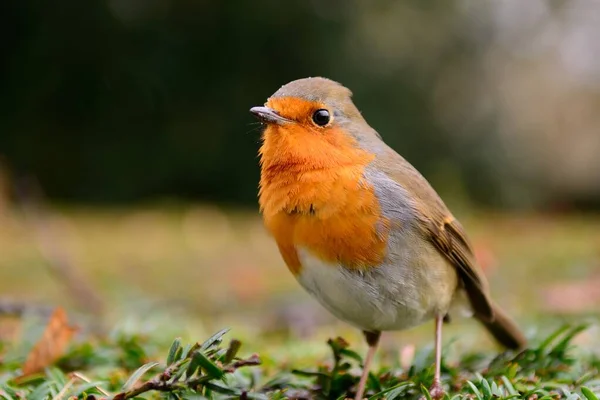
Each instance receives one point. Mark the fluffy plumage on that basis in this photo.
(361, 229)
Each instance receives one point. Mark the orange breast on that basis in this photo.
(313, 195)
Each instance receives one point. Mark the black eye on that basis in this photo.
(321, 117)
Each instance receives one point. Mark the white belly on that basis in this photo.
(388, 297)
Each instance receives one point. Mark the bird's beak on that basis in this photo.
(268, 116)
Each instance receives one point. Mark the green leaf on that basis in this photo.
(351, 354)
(486, 389)
(310, 373)
(85, 388)
(561, 347)
(42, 392)
(392, 392)
(277, 381)
(425, 392)
(200, 360)
(182, 369)
(232, 350)
(217, 337)
(6, 392)
(474, 389)
(137, 375)
(185, 352)
(221, 389)
(373, 382)
(589, 395)
(551, 338)
(57, 376)
(513, 370)
(509, 387)
(585, 377)
(192, 366)
(175, 348)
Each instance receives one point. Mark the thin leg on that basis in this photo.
(372, 341)
(436, 390)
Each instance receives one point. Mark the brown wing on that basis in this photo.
(450, 239)
(441, 229)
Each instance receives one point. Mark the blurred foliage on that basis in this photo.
(224, 267)
(121, 100)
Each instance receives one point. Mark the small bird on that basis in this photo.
(360, 228)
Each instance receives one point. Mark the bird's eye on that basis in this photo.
(321, 117)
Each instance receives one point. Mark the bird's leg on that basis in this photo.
(372, 340)
(436, 390)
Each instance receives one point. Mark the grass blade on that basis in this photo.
(232, 350)
(475, 391)
(561, 347)
(426, 393)
(509, 387)
(221, 389)
(485, 387)
(392, 392)
(351, 354)
(217, 337)
(175, 348)
(552, 337)
(589, 395)
(211, 369)
(87, 388)
(137, 375)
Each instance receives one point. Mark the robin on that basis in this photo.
(360, 228)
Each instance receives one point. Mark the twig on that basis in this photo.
(161, 382)
(153, 384)
(252, 361)
(84, 378)
(64, 390)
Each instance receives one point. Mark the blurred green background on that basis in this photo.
(132, 117)
(124, 100)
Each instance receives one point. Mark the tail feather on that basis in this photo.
(505, 330)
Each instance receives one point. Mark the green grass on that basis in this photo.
(125, 366)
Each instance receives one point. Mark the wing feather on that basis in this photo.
(449, 238)
(441, 229)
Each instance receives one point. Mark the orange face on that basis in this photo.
(302, 141)
(313, 192)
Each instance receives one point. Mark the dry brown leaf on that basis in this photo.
(51, 345)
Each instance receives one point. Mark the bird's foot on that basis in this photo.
(436, 391)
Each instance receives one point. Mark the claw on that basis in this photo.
(436, 391)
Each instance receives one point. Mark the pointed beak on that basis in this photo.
(268, 116)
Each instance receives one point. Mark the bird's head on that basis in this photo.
(312, 122)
